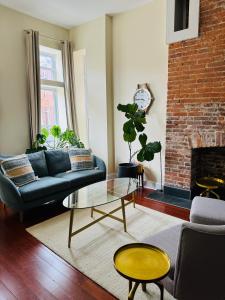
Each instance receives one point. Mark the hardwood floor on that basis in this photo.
(29, 270)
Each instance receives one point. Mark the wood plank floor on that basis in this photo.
(29, 270)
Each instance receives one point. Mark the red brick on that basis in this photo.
(196, 93)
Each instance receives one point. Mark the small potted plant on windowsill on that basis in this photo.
(59, 140)
(131, 128)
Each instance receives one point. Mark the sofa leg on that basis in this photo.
(21, 216)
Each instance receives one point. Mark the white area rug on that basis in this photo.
(92, 250)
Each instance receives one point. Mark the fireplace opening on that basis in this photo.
(208, 162)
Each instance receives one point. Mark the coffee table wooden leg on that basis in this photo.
(92, 211)
(124, 215)
(71, 226)
(133, 290)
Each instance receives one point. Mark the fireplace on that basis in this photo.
(207, 162)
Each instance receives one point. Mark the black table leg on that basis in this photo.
(161, 287)
(144, 287)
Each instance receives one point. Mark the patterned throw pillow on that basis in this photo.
(80, 159)
(18, 169)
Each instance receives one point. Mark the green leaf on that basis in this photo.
(41, 139)
(140, 115)
(45, 132)
(130, 136)
(140, 155)
(122, 107)
(55, 131)
(139, 126)
(128, 126)
(129, 132)
(155, 147)
(148, 154)
(143, 139)
(129, 108)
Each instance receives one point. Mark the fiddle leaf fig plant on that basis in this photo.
(132, 127)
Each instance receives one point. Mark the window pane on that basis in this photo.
(51, 64)
(53, 108)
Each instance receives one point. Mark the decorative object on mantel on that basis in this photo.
(131, 128)
(182, 20)
(143, 97)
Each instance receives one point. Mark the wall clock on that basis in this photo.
(143, 97)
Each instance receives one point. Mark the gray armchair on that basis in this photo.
(197, 255)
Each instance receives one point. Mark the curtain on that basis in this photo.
(68, 73)
(33, 78)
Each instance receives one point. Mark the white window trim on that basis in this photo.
(191, 32)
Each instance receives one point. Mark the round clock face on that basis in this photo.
(142, 98)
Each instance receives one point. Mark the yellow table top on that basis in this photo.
(210, 182)
(141, 262)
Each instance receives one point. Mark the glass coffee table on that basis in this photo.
(98, 194)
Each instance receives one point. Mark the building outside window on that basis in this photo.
(53, 107)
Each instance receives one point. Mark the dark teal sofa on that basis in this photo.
(55, 180)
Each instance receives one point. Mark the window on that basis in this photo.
(181, 14)
(182, 20)
(53, 107)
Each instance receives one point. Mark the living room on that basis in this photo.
(72, 77)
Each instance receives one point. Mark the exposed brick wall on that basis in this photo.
(196, 94)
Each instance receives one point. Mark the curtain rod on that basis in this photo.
(45, 36)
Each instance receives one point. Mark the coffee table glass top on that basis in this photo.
(101, 193)
(141, 262)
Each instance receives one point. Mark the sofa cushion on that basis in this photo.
(168, 240)
(81, 178)
(43, 187)
(38, 163)
(57, 161)
(18, 169)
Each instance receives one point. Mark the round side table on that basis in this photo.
(142, 263)
(210, 184)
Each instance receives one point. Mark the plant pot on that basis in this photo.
(127, 170)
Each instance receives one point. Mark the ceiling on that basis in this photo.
(69, 13)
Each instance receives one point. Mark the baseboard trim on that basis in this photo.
(178, 192)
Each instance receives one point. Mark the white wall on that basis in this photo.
(140, 55)
(130, 47)
(92, 37)
(14, 133)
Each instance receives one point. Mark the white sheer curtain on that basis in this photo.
(68, 72)
(33, 78)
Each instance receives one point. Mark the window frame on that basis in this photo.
(47, 84)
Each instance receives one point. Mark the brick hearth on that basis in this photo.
(196, 94)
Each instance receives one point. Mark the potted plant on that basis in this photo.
(38, 144)
(55, 139)
(132, 127)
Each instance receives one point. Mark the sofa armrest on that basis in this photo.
(9, 194)
(99, 163)
(208, 211)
